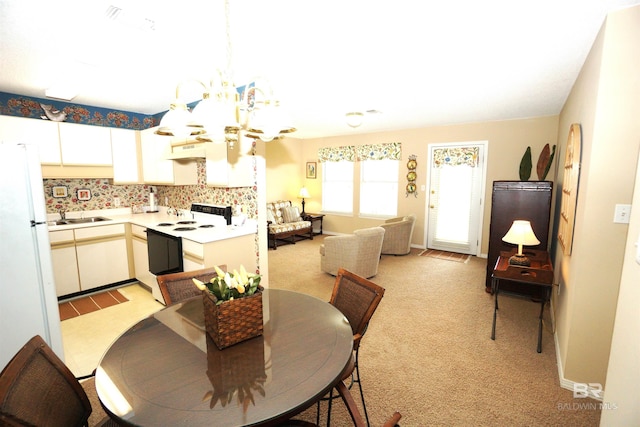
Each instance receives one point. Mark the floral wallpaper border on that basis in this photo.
(24, 106)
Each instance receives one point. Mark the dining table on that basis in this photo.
(166, 370)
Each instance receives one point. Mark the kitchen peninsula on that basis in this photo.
(91, 255)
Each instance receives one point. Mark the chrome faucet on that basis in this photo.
(63, 214)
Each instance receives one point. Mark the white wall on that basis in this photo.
(623, 376)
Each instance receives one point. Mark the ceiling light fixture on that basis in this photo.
(222, 115)
(354, 118)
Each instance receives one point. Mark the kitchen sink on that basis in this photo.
(81, 220)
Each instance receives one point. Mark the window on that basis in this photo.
(379, 187)
(337, 187)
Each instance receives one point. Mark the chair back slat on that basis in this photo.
(177, 287)
(357, 298)
(36, 388)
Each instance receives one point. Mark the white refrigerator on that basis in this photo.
(28, 301)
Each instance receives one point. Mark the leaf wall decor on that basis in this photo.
(526, 165)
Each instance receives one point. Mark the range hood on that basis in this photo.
(187, 149)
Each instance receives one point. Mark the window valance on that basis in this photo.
(391, 151)
(336, 154)
(388, 151)
(456, 156)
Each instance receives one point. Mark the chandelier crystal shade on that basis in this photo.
(222, 115)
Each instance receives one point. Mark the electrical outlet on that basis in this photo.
(116, 202)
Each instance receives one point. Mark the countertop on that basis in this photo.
(152, 219)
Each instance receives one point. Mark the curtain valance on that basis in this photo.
(336, 154)
(456, 156)
(391, 151)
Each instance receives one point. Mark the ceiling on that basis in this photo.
(418, 64)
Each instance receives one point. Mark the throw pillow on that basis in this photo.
(290, 214)
(270, 216)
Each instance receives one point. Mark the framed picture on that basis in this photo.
(59, 191)
(84, 194)
(311, 170)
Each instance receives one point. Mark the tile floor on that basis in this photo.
(79, 306)
(87, 337)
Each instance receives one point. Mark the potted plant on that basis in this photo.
(232, 306)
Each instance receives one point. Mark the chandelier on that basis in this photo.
(226, 111)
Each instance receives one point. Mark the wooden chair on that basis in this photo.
(357, 298)
(176, 287)
(350, 403)
(37, 389)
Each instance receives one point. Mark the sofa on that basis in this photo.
(358, 253)
(285, 225)
(397, 236)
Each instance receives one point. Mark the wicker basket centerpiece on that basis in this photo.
(232, 307)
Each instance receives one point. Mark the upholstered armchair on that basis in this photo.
(358, 252)
(397, 236)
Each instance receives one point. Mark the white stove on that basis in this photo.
(202, 217)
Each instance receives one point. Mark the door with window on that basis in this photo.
(456, 189)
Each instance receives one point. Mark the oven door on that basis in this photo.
(165, 252)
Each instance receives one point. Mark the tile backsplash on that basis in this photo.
(103, 192)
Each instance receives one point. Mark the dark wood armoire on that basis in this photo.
(511, 200)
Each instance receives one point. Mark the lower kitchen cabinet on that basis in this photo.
(65, 265)
(87, 258)
(232, 252)
(102, 255)
(141, 256)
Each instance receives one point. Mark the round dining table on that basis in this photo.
(166, 370)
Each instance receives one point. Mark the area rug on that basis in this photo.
(89, 304)
(449, 256)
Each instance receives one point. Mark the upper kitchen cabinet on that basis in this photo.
(84, 145)
(43, 133)
(126, 150)
(157, 168)
(230, 167)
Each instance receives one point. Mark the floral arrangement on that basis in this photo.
(226, 286)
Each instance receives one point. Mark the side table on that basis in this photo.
(539, 273)
(313, 217)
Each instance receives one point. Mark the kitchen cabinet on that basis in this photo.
(157, 169)
(141, 257)
(230, 167)
(42, 133)
(125, 149)
(65, 264)
(85, 145)
(102, 255)
(232, 252)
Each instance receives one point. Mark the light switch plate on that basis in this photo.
(621, 214)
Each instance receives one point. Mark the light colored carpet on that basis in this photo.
(428, 352)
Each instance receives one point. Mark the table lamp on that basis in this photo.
(521, 234)
(303, 194)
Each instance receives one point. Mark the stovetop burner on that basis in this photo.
(207, 226)
(165, 224)
(184, 229)
(186, 222)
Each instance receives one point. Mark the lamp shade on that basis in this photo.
(521, 233)
(304, 193)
